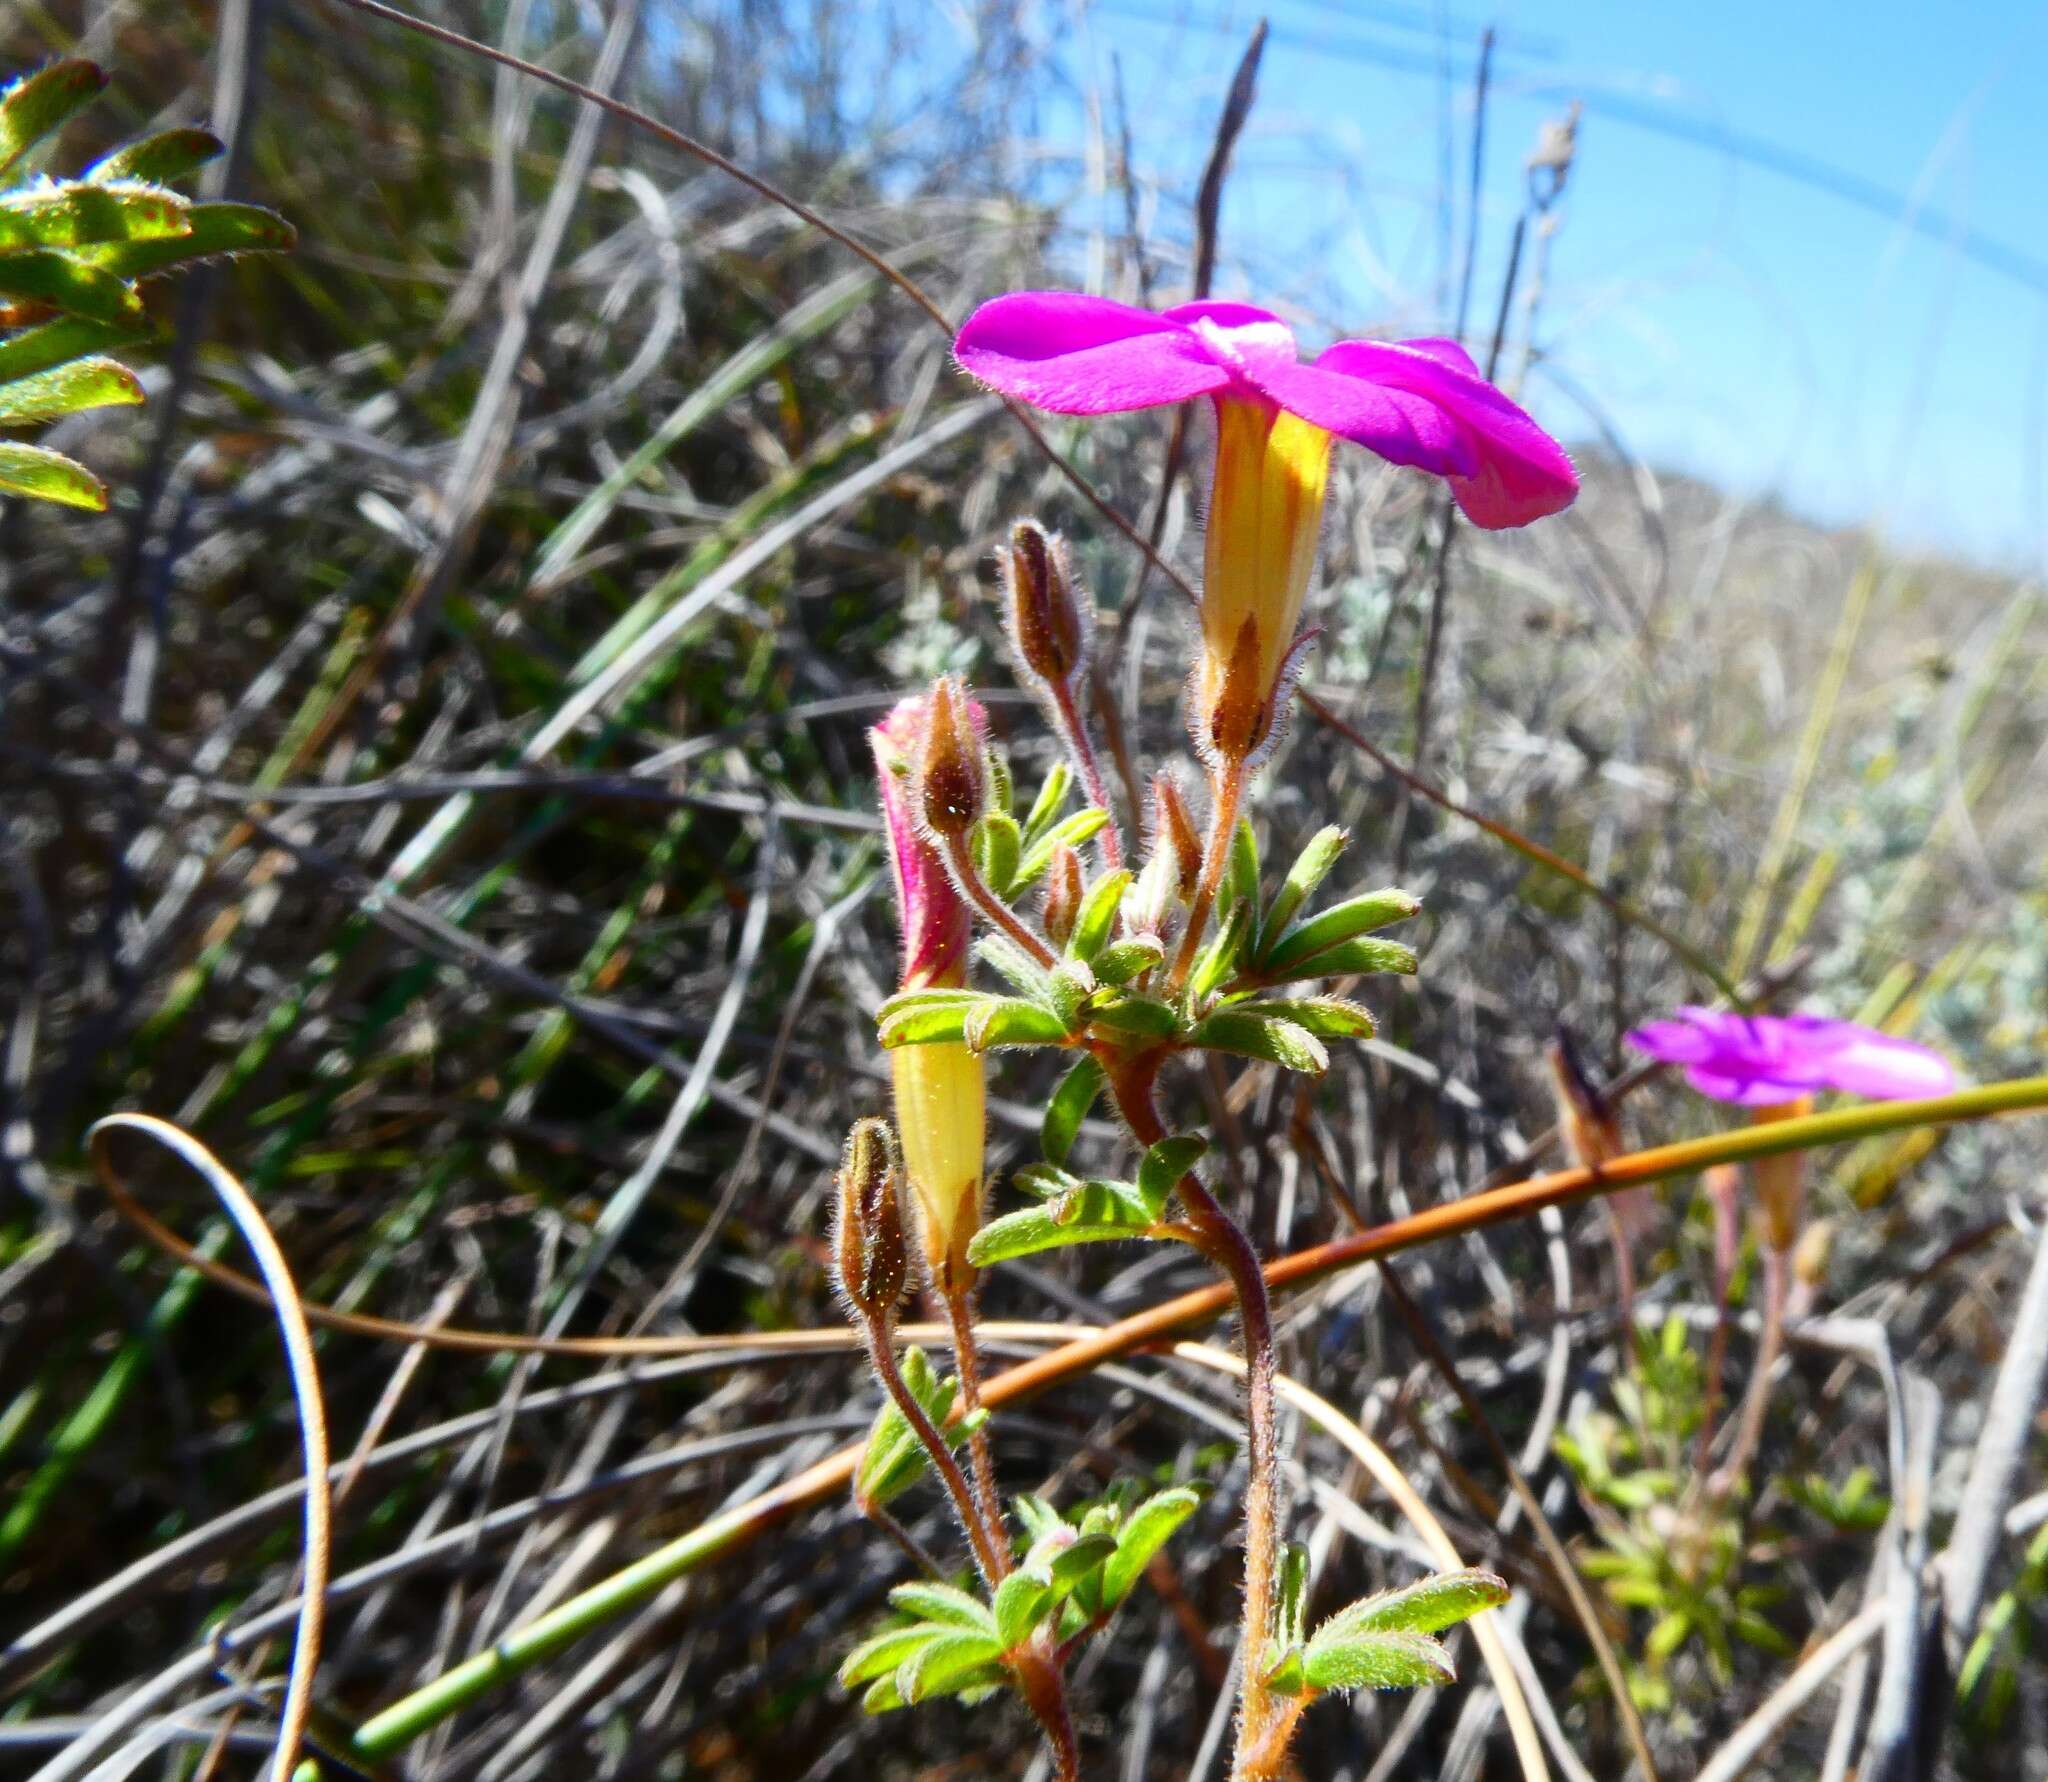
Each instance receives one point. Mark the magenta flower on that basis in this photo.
(1415, 402)
(937, 928)
(1762, 1060)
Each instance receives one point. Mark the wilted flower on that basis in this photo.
(1049, 618)
(1420, 403)
(941, 1098)
(1766, 1060)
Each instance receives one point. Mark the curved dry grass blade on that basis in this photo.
(283, 1297)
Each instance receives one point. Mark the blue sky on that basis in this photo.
(1763, 317)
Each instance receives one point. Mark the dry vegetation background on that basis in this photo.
(533, 546)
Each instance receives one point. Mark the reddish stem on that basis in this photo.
(975, 889)
(991, 1554)
(1223, 1241)
(967, 1364)
(1074, 732)
(1226, 787)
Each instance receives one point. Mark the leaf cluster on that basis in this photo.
(73, 255)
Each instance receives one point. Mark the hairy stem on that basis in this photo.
(967, 1363)
(1224, 1242)
(989, 1556)
(976, 890)
(1081, 746)
(1226, 789)
(1044, 1688)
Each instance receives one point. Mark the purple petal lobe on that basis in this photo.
(1520, 473)
(1402, 427)
(1078, 355)
(1240, 335)
(1756, 1060)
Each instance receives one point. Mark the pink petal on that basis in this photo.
(1888, 1069)
(1080, 355)
(1240, 335)
(1742, 1089)
(1522, 473)
(1402, 427)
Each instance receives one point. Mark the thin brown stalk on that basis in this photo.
(1226, 788)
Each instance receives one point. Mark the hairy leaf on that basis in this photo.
(1337, 924)
(1252, 1035)
(49, 476)
(1377, 1661)
(1429, 1605)
(1069, 1107)
(1149, 1527)
(84, 383)
(40, 101)
(158, 159)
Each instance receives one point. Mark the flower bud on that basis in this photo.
(867, 1239)
(941, 1111)
(1781, 1180)
(951, 766)
(1064, 889)
(937, 928)
(1048, 615)
(1174, 833)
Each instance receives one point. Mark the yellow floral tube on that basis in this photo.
(941, 1113)
(1265, 521)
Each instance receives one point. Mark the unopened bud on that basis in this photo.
(952, 768)
(1048, 614)
(868, 1249)
(1064, 889)
(1174, 833)
(1585, 1117)
(1781, 1179)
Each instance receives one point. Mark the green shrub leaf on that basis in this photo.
(49, 476)
(84, 383)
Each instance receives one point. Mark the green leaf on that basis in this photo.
(1002, 790)
(84, 383)
(1285, 1674)
(1327, 1017)
(73, 215)
(894, 1459)
(216, 229)
(1010, 1021)
(1429, 1605)
(39, 102)
(1102, 1203)
(70, 285)
(880, 1654)
(1022, 1602)
(49, 476)
(1038, 1517)
(926, 1017)
(1067, 988)
(1045, 808)
(1241, 870)
(944, 1603)
(1333, 926)
(57, 343)
(1069, 1107)
(1213, 964)
(1252, 1035)
(954, 1661)
(1290, 1610)
(1377, 1661)
(158, 159)
(1043, 1181)
(1012, 963)
(1163, 1165)
(997, 844)
(1149, 1527)
(883, 1697)
(1311, 866)
(1122, 961)
(1097, 916)
(1074, 831)
(1073, 1564)
(1033, 1229)
(1127, 1012)
(1363, 955)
